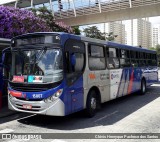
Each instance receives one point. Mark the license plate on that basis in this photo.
(27, 106)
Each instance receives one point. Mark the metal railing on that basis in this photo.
(87, 7)
(74, 8)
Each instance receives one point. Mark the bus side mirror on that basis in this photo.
(73, 59)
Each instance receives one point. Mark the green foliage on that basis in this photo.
(152, 48)
(94, 32)
(110, 36)
(76, 30)
(158, 50)
(158, 53)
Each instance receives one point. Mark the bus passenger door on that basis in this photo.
(75, 63)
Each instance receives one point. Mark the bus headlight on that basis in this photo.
(54, 97)
(11, 97)
(58, 93)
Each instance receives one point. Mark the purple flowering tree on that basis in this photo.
(15, 22)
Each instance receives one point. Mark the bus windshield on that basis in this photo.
(37, 65)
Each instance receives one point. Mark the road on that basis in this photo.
(130, 114)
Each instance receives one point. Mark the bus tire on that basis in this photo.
(143, 87)
(91, 105)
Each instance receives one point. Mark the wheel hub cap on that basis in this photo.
(93, 103)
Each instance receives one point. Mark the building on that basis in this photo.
(118, 30)
(155, 36)
(144, 31)
(139, 33)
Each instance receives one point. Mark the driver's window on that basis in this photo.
(79, 62)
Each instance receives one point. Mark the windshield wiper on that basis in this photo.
(39, 56)
(41, 53)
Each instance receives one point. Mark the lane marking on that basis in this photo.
(6, 131)
(105, 116)
(26, 117)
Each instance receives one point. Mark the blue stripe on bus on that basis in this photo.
(73, 100)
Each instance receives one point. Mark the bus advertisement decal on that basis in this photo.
(18, 79)
(92, 76)
(32, 78)
(103, 76)
(131, 82)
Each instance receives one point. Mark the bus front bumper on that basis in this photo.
(56, 108)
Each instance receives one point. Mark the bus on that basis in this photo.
(59, 73)
(4, 43)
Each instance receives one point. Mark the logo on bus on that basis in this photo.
(37, 96)
(114, 76)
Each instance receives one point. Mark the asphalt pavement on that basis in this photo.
(129, 114)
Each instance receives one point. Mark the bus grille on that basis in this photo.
(28, 89)
(33, 87)
(25, 99)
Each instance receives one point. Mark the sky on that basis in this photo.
(155, 20)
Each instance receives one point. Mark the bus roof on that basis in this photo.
(123, 46)
(93, 40)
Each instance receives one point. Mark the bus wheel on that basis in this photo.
(143, 87)
(91, 105)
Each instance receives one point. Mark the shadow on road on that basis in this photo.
(110, 113)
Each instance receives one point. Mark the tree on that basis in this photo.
(152, 48)
(110, 36)
(47, 15)
(76, 30)
(94, 32)
(158, 51)
(15, 22)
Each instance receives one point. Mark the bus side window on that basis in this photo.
(124, 58)
(134, 61)
(96, 57)
(112, 60)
